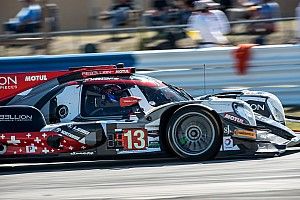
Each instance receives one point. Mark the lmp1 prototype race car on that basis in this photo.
(110, 110)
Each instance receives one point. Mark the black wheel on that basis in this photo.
(194, 134)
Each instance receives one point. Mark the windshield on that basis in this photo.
(163, 94)
(180, 91)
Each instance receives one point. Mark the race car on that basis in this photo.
(111, 110)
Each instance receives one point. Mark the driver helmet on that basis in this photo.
(110, 91)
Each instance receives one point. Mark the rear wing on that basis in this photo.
(15, 83)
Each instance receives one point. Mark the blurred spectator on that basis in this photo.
(298, 22)
(222, 21)
(119, 13)
(158, 15)
(190, 3)
(184, 10)
(269, 10)
(252, 2)
(226, 4)
(211, 24)
(28, 19)
(242, 9)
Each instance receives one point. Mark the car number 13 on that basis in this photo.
(135, 139)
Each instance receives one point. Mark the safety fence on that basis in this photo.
(274, 69)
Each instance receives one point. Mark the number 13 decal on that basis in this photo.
(135, 139)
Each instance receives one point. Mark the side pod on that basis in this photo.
(14, 119)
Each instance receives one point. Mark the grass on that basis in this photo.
(293, 111)
(293, 125)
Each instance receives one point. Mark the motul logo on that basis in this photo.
(233, 118)
(122, 71)
(36, 78)
(8, 80)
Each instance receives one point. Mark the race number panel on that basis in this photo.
(135, 139)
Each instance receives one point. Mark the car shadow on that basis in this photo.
(55, 165)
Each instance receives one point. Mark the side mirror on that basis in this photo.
(129, 101)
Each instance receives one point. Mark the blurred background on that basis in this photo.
(89, 26)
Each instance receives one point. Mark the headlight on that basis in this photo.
(276, 109)
(244, 110)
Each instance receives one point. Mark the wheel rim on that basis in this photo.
(193, 133)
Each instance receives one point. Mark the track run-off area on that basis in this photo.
(258, 178)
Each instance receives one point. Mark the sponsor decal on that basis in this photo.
(16, 118)
(104, 72)
(13, 140)
(67, 134)
(45, 150)
(123, 71)
(234, 118)
(79, 130)
(95, 73)
(90, 153)
(31, 149)
(8, 82)
(103, 78)
(13, 84)
(228, 144)
(2, 136)
(245, 134)
(258, 107)
(154, 144)
(36, 78)
(227, 130)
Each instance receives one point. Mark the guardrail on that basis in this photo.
(274, 69)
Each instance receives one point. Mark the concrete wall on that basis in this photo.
(77, 14)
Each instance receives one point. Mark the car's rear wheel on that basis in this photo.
(194, 134)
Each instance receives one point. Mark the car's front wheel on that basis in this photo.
(194, 134)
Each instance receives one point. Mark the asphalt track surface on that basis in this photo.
(264, 178)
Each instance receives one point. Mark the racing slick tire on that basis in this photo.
(193, 134)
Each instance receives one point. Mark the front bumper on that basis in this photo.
(252, 140)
